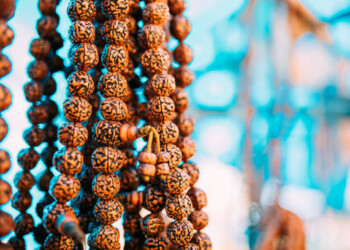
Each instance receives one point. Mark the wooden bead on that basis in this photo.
(163, 84)
(5, 192)
(80, 84)
(37, 114)
(28, 158)
(51, 213)
(180, 27)
(183, 76)
(38, 70)
(107, 132)
(147, 157)
(115, 9)
(108, 211)
(113, 85)
(24, 224)
(155, 61)
(77, 109)
(192, 170)
(175, 154)
(154, 199)
(40, 48)
(72, 134)
(152, 225)
(155, 13)
(115, 32)
(24, 181)
(146, 171)
(187, 147)
(132, 223)
(68, 161)
(106, 186)
(82, 32)
(59, 242)
(129, 179)
(177, 182)
(168, 132)
(5, 162)
(107, 160)
(115, 58)
(46, 26)
(160, 243)
(47, 7)
(180, 100)
(180, 232)
(5, 98)
(152, 36)
(83, 10)
(22, 201)
(84, 56)
(160, 108)
(183, 54)
(34, 136)
(114, 109)
(202, 241)
(199, 219)
(64, 187)
(177, 6)
(3, 129)
(185, 124)
(6, 224)
(33, 91)
(178, 207)
(198, 197)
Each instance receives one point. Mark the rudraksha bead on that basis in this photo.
(50, 86)
(107, 132)
(202, 241)
(178, 207)
(51, 132)
(114, 109)
(187, 147)
(107, 159)
(163, 84)
(190, 246)
(183, 76)
(24, 181)
(183, 54)
(5, 98)
(115, 9)
(82, 32)
(106, 186)
(131, 24)
(152, 225)
(131, 223)
(37, 114)
(128, 71)
(6, 224)
(56, 41)
(152, 36)
(155, 13)
(24, 224)
(6, 33)
(131, 46)
(68, 160)
(134, 7)
(58, 242)
(177, 182)
(159, 243)
(5, 162)
(17, 242)
(192, 170)
(81, 10)
(34, 136)
(198, 197)
(22, 201)
(154, 199)
(38, 70)
(180, 100)
(48, 7)
(155, 61)
(108, 211)
(5, 66)
(180, 232)
(161, 108)
(44, 181)
(180, 27)
(3, 129)
(185, 124)
(28, 158)
(168, 132)
(5, 192)
(84, 56)
(40, 48)
(129, 179)
(72, 134)
(175, 154)
(51, 212)
(77, 109)
(115, 58)
(114, 31)
(46, 26)
(176, 7)
(64, 187)
(113, 85)
(33, 91)
(104, 237)
(80, 84)
(199, 219)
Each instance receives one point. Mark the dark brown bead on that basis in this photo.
(177, 182)
(152, 36)
(176, 6)
(163, 84)
(18, 243)
(202, 241)
(51, 135)
(187, 147)
(5, 98)
(83, 10)
(37, 114)
(40, 234)
(183, 76)
(40, 48)
(46, 26)
(6, 224)
(155, 61)
(28, 158)
(148, 91)
(5, 192)
(68, 161)
(190, 246)
(131, 223)
(51, 108)
(64, 187)
(131, 24)
(24, 224)
(108, 211)
(199, 219)
(59, 242)
(113, 85)
(82, 32)
(152, 225)
(48, 7)
(51, 213)
(180, 27)
(183, 54)
(33, 91)
(115, 58)
(24, 181)
(114, 109)
(55, 63)
(115, 32)
(44, 181)
(84, 56)
(80, 84)
(185, 124)
(50, 86)
(5, 66)
(180, 100)
(34, 136)
(192, 170)
(5, 162)
(106, 186)
(77, 109)
(180, 232)
(3, 129)
(129, 179)
(168, 132)
(134, 7)
(104, 237)
(107, 132)
(178, 207)
(6, 34)
(198, 197)
(155, 13)
(107, 160)
(154, 199)
(159, 243)
(72, 134)
(160, 108)
(115, 9)
(175, 154)
(38, 70)
(22, 201)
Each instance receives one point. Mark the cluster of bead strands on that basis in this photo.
(59, 219)
(180, 27)
(6, 38)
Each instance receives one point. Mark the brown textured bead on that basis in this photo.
(115, 9)
(84, 56)
(160, 108)
(113, 85)
(115, 58)
(155, 13)
(180, 100)
(34, 136)
(108, 211)
(163, 84)
(114, 109)
(159, 243)
(175, 154)
(82, 32)
(180, 232)
(180, 27)
(183, 54)
(132, 223)
(187, 147)
(77, 109)
(202, 241)
(199, 219)
(51, 109)
(48, 7)
(59, 242)
(152, 36)
(24, 224)
(37, 114)
(168, 132)
(6, 224)
(5, 65)
(155, 61)
(44, 181)
(80, 84)
(51, 212)
(5, 192)
(5, 98)
(72, 134)
(107, 132)
(22, 201)
(154, 199)
(114, 32)
(24, 181)
(152, 225)
(129, 179)
(185, 124)
(192, 170)
(177, 181)
(3, 129)
(50, 86)
(28, 158)
(162, 167)
(68, 160)
(107, 159)
(6, 34)
(46, 26)
(106, 186)
(178, 207)
(64, 187)
(177, 6)
(81, 10)
(40, 48)
(198, 197)
(33, 91)
(190, 246)
(183, 76)
(38, 70)
(131, 46)
(5, 162)
(131, 24)
(104, 237)
(128, 71)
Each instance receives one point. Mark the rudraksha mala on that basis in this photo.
(6, 221)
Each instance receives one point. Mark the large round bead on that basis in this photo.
(160, 108)
(80, 84)
(175, 154)
(6, 224)
(24, 224)
(202, 240)
(5, 162)
(114, 109)
(155, 61)
(40, 48)
(64, 187)
(51, 213)
(23, 181)
(198, 197)
(59, 242)
(77, 109)
(154, 199)
(68, 160)
(104, 237)
(180, 232)
(5, 192)
(152, 225)
(168, 132)
(107, 160)
(83, 10)
(72, 134)
(5, 98)
(115, 9)
(33, 91)
(84, 56)
(108, 211)
(199, 219)
(107, 132)
(115, 32)
(160, 243)
(106, 186)
(155, 13)
(115, 58)
(178, 207)
(28, 158)
(185, 124)
(163, 84)
(113, 85)
(82, 32)
(177, 182)
(180, 27)
(152, 36)
(187, 147)
(192, 170)
(183, 76)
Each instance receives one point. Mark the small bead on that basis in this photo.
(82, 32)
(38, 70)
(77, 109)
(49, 151)
(6, 224)
(40, 48)
(113, 85)
(180, 100)
(177, 182)
(33, 91)
(163, 84)
(202, 241)
(180, 232)
(154, 199)
(147, 157)
(51, 212)
(152, 36)
(28, 158)
(132, 223)
(187, 147)
(183, 54)
(59, 242)
(84, 56)
(83, 10)
(24, 181)
(22, 201)
(5, 98)
(5, 162)
(129, 179)
(34, 136)
(114, 109)
(44, 181)
(198, 197)
(152, 225)
(115, 9)
(192, 170)
(168, 132)
(64, 187)
(46, 26)
(106, 186)
(108, 211)
(155, 61)
(80, 84)
(5, 192)
(146, 171)
(115, 58)
(24, 224)
(183, 76)
(185, 124)
(115, 32)
(68, 160)
(155, 13)
(37, 114)
(180, 27)
(175, 154)
(107, 132)
(160, 108)
(177, 6)
(3, 129)
(5, 66)
(199, 219)
(72, 135)
(178, 207)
